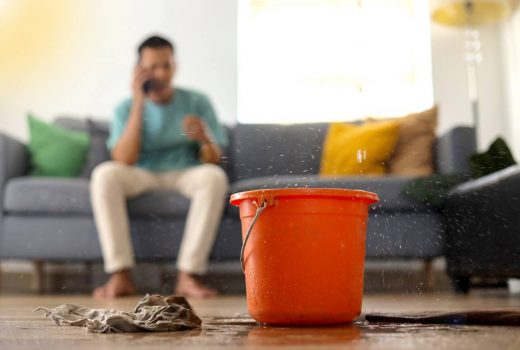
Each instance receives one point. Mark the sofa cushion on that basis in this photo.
(388, 188)
(59, 196)
(267, 149)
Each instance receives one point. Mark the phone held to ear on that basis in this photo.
(147, 86)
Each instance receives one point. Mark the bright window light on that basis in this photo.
(4, 6)
(332, 60)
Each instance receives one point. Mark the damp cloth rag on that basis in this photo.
(480, 318)
(153, 313)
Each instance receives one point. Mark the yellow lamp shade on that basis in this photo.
(460, 13)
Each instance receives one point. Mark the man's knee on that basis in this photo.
(215, 176)
(106, 172)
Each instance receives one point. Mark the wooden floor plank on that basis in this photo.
(227, 325)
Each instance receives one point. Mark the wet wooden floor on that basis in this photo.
(227, 325)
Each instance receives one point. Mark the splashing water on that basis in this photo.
(361, 156)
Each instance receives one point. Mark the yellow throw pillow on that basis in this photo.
(358, 149)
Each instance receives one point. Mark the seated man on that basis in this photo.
(161, 138)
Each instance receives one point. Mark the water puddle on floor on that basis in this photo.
(244, 330)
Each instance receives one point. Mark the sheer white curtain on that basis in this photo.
(326, 60)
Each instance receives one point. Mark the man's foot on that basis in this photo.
(119, 284)
(189, 286)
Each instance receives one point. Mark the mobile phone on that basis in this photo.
(147, 86)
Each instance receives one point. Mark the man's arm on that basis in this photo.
(128, 146)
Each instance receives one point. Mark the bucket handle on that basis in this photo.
(259, 210)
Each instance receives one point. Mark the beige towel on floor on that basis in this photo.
(153, 313)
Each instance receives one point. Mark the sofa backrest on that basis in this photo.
(453, 150)
(78, 124)
(271, 149)
(258, 149)
(274, 149)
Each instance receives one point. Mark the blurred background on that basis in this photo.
(260, 61)
(76, 57)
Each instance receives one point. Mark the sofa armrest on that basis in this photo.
(482, 225)
(13, 161)
(453, 150)
(501, 185)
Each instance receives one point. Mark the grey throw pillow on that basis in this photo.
(98, 151)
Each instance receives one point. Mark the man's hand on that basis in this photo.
(140, 76)
(195, 129)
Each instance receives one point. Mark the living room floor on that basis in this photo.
(227, 325)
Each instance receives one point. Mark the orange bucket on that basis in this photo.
(303, 253)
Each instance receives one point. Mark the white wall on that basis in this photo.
(84, 66)
(451, 87)
(510, 40)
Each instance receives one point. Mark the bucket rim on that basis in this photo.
(238, 197)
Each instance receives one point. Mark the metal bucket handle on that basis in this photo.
(259, 210)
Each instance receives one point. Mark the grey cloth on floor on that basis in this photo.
(154, 313)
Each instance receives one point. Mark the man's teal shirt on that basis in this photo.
(164, 145)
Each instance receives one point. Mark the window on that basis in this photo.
(332, 60)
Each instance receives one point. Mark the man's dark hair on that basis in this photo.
(155, 42)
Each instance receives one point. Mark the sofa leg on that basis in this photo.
(89, 273)
(428, 274)
(461, 284)
(38, 276)
(165, 278)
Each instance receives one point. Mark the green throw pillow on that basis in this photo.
(496, 158)
(433, 190)
(56, 151)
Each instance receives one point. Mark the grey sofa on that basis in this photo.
(50, 219)
(482, 229)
